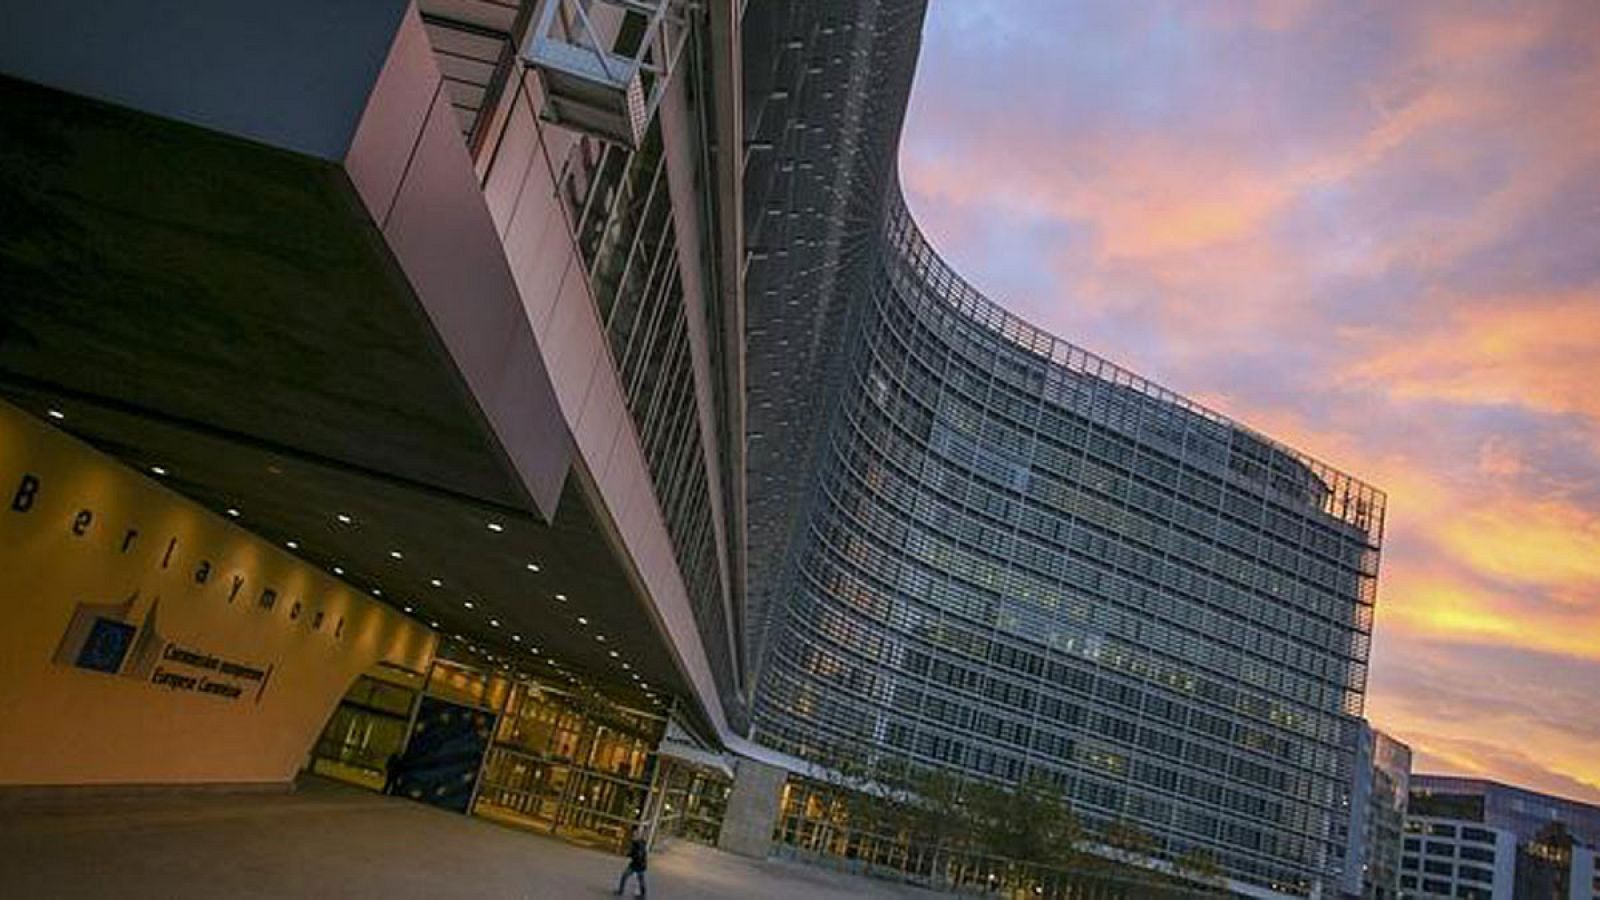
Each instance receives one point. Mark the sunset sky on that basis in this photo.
(1371, 231)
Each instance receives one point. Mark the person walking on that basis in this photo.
(638, 861)
(391, 774)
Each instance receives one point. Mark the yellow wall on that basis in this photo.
(61, 724)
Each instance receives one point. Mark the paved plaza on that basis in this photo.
(330, 841)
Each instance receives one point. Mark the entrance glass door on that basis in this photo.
(367, 728)
(570, 764)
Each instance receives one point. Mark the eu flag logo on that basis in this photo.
(106, 646)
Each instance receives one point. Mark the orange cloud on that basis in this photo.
(1483, 38)
(1441, 604)
(1152, 221)
(1472, 542)
(1538, 352)
(1193, 220)
(1268, 15)
(1563, 767)
(1144, 195)
(1403, 115)
(1542, 543)
(1496, 459)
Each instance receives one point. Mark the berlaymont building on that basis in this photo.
(550, 411)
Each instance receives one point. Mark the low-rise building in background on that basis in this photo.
(1482, 840)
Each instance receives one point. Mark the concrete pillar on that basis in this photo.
(752, 809)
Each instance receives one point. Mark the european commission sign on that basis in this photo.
(108, 637)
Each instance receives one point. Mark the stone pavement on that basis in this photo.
(329, 841)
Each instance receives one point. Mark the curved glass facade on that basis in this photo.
(1018, 559)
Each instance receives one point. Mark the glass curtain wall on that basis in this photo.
(1024, 562)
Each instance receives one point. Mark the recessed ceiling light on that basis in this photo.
(436, 583)
(517, 638)
(562, 597)
(533, 567)
(292, 545)
(626, 666)
(344, 519)
(534, 650)
(396, 554)
(433, 624)
(582, 621)
(406, 608)
(615, 654)
(601, 638)
(56, 414)
(158, 470)
(494, 623)
(338, 570)
(377, 593)
(467, 603)
(496, 527)
(635, 676)
(233, 512)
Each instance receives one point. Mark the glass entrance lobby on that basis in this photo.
(560, 759)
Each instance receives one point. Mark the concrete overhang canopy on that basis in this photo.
(256, 250)
(537, 596)
(263, 219)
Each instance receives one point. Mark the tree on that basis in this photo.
(1199, 864)
(868, 803)
(1127, 837)
(939, 814)
(1030, 822)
